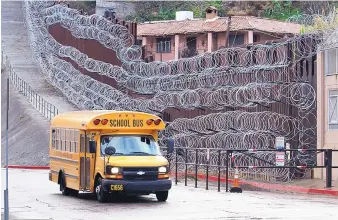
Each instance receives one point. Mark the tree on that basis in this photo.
(275, 9)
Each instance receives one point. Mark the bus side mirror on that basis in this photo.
(92, 146)
(110, 150)
(170, 145)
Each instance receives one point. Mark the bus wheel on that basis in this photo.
(162, 196)
(74, 192)
(63, 188)
(100, 194)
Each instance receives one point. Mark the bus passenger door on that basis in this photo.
(87, 163)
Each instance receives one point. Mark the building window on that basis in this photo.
(138, 42)
(331, 61)
(163, 45)
(256, 38)
(237, 39)
(333, 110)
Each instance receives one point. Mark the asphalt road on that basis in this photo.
(32, 196)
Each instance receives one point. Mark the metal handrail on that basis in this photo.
(47, 109)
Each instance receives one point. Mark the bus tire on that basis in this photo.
(162, 196)
(63, 188)
(101, 195)
(74, 192)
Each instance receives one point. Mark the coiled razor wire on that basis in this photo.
(232, 77)
(325, 25)
(274, 123)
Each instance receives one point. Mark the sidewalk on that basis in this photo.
(313, 183)
(307, 186)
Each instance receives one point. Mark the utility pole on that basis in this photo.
(227, 32)
(6, 189)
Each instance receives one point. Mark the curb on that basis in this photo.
(28, 167)
(270, 186)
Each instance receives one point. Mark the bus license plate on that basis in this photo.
(116, 187)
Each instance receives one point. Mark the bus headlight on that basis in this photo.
(162, 169)
(114, 170)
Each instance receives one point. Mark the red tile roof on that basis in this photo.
(219, 24)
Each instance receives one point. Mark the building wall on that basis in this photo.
(264, 37)
(183, 43)
(327, 139)
(201, 48)
(203, 38)
(151, 49)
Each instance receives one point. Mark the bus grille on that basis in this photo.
(148, 173)
(136, 169)
(137, 177)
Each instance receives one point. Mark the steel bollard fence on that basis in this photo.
(230, 163)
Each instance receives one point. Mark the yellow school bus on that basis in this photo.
(106, 152)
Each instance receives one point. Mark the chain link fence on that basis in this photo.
(47, 109)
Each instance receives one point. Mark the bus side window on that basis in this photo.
(67, 140)
(53, 138)
(62, 137)
(76, 148)
(71, 140)
(82, 143)
(58, 139)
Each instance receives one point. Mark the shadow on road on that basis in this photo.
(113, 198)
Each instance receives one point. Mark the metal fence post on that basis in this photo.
(50, 114)
(227, 173)
(44, 107)
(186, 168)
(207, 178)
(39, 104)
(176, 170)
(196, 168)
(328, 168)
(219, 172)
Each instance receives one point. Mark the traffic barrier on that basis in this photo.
(28, 167)
(235, 187)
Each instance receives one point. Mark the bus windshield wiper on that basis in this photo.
(117, 154)
(140, 152)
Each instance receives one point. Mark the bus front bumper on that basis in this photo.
(110, 185)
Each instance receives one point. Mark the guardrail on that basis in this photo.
(47, 109)
(223, 160)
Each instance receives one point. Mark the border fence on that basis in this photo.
(212, 162)
(47, 109)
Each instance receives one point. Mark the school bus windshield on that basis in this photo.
(130, 145)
